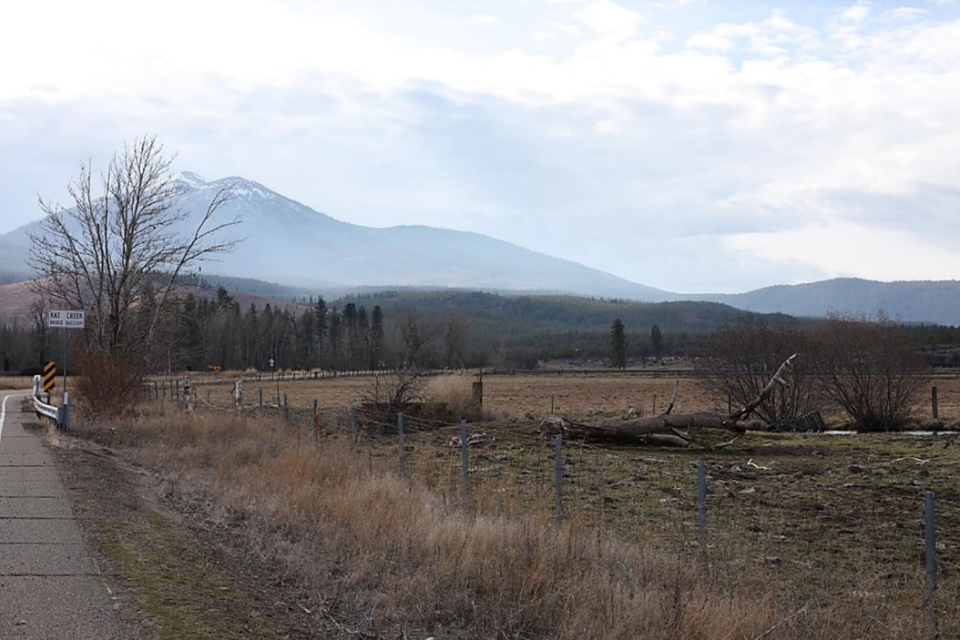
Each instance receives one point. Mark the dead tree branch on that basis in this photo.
(668, 429)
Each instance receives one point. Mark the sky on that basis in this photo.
(691, 145)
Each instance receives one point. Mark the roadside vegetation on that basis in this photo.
(821, 541)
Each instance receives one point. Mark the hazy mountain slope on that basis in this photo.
(14, 248)
(290, 243)
(936, 302)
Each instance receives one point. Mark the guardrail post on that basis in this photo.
(286, 409)
(933, 401)
(261, 401)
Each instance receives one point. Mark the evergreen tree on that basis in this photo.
(251, 337)
(349, 335)
(656, 341)
(618, 344)
(305, 344)
(334, 339)
(376, 336)
(320, 315)
(364, 357)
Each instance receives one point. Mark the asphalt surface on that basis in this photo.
(49, 583)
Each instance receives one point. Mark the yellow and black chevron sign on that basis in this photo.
(49, 376)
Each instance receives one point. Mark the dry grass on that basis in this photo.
(454, 392)
(16, 382)
(394, 556)
(530, 397)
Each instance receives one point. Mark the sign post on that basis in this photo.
(65, 319)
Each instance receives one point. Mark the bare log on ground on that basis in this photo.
(668, 429)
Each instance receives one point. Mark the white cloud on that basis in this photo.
(483, 19)
(710, 42)
(856, 14)
(609, 19)
(906, 13)
(735, 137)
(845, 249)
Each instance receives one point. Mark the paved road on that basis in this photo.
(49, 584)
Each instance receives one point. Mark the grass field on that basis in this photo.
(531, 397)
(808, 535)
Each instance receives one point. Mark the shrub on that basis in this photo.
(743, 357)
(108, 386)
(871, 369)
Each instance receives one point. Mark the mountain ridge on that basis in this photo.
(292, 244)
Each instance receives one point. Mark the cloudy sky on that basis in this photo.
(716, 145)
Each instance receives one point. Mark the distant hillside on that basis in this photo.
(14, 248)
(564, 313)
(561, 326)
(288, 250)
(291, 244)
(935, 302)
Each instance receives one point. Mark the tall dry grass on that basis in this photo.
(16, 382)
(391, 555)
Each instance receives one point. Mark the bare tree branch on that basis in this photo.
(121, 253)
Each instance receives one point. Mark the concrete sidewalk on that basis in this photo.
(49, 584)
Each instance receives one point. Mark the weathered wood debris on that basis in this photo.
(668, 428)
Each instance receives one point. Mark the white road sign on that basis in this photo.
(65, 319)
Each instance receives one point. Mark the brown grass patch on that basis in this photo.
(406, 554)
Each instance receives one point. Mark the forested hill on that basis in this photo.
(559, 326)
(559, 313)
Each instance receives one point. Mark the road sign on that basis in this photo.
(49, 376)
(65, 319)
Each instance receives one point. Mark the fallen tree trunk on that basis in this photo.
(668, 429)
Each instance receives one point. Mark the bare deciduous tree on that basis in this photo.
(415, 334)
(105, 252)
(870, 368)
(741, 359)
(404, 387)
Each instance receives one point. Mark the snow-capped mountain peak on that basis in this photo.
(190, 179)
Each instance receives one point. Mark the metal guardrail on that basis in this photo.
(59, 415)
(45, 409)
